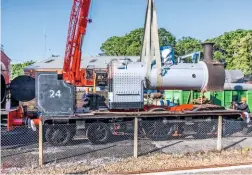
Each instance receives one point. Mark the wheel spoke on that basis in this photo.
(98, 133)
(159, 130)
(59, 136)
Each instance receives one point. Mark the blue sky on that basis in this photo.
(25, 22)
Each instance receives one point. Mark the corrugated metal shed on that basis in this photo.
(98, 62)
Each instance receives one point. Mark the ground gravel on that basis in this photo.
(147, 163)
(160, 162)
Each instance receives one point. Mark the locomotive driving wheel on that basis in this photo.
(206, 130)
(98, 133)
(59, 135)
(209, 127)
(158, 130)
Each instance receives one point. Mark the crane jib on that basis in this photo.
(76, 31)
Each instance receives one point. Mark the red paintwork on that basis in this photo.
(5, 70)
(178, 108)
(182, 107)
(72, 73)
(17, 122)
(15, 118)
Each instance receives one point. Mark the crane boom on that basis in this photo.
(76, 31)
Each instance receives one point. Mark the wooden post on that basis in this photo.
(41, 157)
(219, 134)
(135, 137)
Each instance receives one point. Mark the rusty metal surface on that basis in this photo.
(207, 107)
(216, 71)
(162, 113)
(216, 76)
(208, 51)
(105, 114)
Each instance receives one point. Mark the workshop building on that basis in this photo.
(56, 63)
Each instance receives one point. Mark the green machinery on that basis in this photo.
(223, 98)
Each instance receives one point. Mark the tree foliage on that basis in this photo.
(242, 54)
(187, 45)
(131, 43)
(166, 38)
(233, 47)
(17, 69)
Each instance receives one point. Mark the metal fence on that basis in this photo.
(109, 143)
(19, 148)
(77, 147)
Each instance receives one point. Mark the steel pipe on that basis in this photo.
(208, 51)
(202, 76)
(183, 76)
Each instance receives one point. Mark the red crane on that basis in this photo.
(72, 73)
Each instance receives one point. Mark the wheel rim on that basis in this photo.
(98, 133)
(208, 128)
(158, 130)
(59, 136)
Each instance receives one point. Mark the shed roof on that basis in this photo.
(96, 61)
(4, 56)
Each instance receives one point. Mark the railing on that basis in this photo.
(53, 144)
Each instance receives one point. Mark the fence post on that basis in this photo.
(135, 137)
(41, 157)
(219, 134)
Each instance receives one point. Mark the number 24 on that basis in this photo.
(53, 94)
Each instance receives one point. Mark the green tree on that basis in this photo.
(166, 38)
(114, 46)
(242, 54)
(187, 45)
(232, 47)
(131, 43)
(223, 44)
(17, 69)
